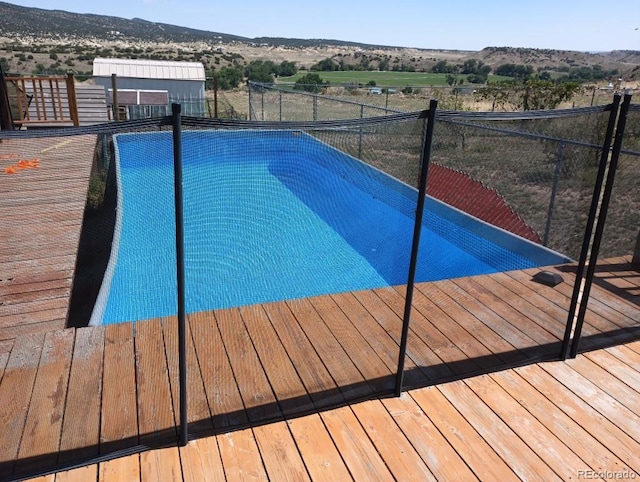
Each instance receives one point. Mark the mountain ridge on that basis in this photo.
(23, 27)
(38, 22)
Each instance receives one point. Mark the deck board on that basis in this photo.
(199, 415)
(343, 370)
(567, 430)
(279, 453)
(201, 461)
(220, 387)
(161, 465)
(15, 395)
(360, 454)
(320, 455)
(80, 435)
(259, 400)
(315, 376)
(607, 433)
(287, 386)
(522, 321)
(441, 458)
(556, 455)
(42, 210)
(119, 420)
(156, 420)
(240, 456)
(365, 359)
(390, 442)
(44, 418)
(477, 453)
(523, 460)
(390, 315)
(445, 359)
(596, 396)
(5, 351)
(300, 390)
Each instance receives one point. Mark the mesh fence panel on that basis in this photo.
(274, 214)
(58, 196)
(623, 217)
(531, 176)
(280, 213)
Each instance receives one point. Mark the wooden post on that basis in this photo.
(114, 97)
(72, 99)
(6, 120)
(635, 261)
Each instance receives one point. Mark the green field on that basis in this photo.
(382, 79)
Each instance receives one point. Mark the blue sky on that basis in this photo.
(585, 25)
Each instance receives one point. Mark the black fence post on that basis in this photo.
(602, 219)
(280, 103)
(417, 228)
(595, 200)
(182, 332)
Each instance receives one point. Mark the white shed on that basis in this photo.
(184, 81)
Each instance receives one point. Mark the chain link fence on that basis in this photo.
(529, 173)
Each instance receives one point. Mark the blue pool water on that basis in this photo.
(273, 215)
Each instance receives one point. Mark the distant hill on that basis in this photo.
(34, 33)
(36, 22)
(553, 58)
(20, 22)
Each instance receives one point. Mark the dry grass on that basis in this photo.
(302, 107)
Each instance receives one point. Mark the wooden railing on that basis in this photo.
(42, 100)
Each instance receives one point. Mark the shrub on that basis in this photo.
(310, 83)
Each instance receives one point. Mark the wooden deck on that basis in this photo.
(43, 190)
(299, 390)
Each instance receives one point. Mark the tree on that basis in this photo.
(518, 71)
(441, 67)
(287, 69)
(544, 75)
(531, 94)
(261, 71)
(230, 77)
(310, 83)
(543, 94)
(476, 70)
(325, 65)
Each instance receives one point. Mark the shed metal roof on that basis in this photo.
(148, 69)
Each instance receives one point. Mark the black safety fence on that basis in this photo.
(184, 242)
(221, 274)
(529, 173)
(610, 255)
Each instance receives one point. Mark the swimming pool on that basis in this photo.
(274, 215)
